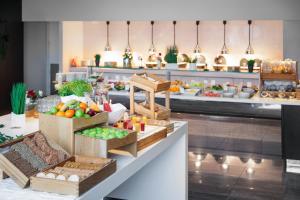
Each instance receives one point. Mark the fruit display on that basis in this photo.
(103, 133)
(74, 109)
(211, 94)
(174, 89)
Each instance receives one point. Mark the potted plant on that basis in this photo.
(171, 57)
(97, 59)
(250, 65)
(127, 59)
(18, 98)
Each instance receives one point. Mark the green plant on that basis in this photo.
(97, 57)
(171, 55)
(78, 88)
(17, 98)
(127, 55)
(251, 62)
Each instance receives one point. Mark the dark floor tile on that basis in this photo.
(292, 194)
(271, 148)
(204, 196)
(241, 145)
(207, 142)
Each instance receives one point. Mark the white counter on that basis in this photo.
(255, 100)
(159, 172)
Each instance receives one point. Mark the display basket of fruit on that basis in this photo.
(73, 176)
(151, 81)
(99, 141)
(62, 121)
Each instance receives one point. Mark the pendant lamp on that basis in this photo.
(249, 49)
(152, 49)
(107, 46)
(224, 48)
(128, 48)
(197, 48)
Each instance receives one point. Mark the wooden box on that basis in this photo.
(164, 123)
(87, 146)
(277, 76)
(61, 130)
(157, 84)
(152, 135)
(162, 113)
(75, 188)
(11, 170)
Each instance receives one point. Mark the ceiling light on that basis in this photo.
(107, 46)
(224, 48)
(152, 49)
(197, 48)
(128, 48)
(249, 49)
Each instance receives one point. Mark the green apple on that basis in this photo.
(53, 110)
(79, 113)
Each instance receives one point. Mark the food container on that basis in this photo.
(244, 95)
(228, 94)
(75, 187)
(116, 114)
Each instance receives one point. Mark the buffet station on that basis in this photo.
(80, 145)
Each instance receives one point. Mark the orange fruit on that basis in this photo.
(69, 113)
(83, 106)
(60, 105)
(60, 114)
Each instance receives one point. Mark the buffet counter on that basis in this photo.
(164, 162)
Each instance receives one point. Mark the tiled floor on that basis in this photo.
(237, 161)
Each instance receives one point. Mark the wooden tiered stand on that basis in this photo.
(293, 76)
(151, 84)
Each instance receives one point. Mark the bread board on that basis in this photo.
(13, 171)
(151, 135)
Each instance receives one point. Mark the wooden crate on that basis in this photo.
(3, 175)
(158, 85)
(75, 188)
(164, 123)
(277, 76)
(11, 170)
(152, 135)
(87, 146)
(298, 93)
(162, 114)
(61, 129)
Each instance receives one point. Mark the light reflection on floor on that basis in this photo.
(222, 175)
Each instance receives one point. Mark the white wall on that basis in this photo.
(72, 41)
(267, 38)
(78, 10)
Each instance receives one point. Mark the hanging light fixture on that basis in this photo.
(249, 49)
(197, 48)
(152, 49)
(107, 46)
(224, 48)
(174, 35)
(128, 48)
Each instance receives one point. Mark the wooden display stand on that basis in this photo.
(61, 130)
(293, 76)
(151, 84)
(87, 146)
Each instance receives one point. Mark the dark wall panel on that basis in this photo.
(11, 65)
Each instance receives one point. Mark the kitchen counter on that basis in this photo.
(137, 178)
